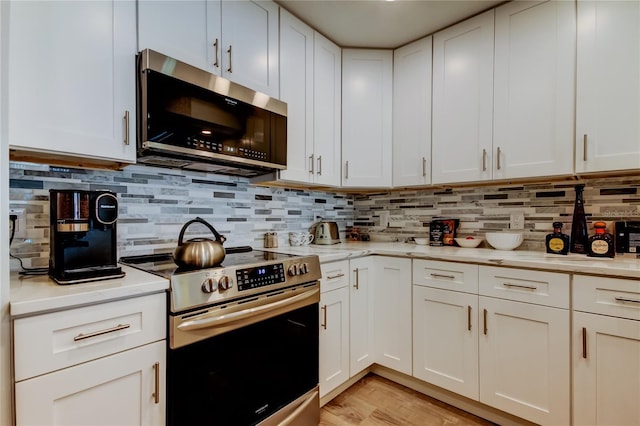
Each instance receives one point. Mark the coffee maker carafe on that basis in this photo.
(83, 241)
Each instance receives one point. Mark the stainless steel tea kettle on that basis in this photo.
(199, 252)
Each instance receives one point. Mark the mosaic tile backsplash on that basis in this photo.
(155, 203)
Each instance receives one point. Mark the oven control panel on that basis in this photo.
(260, 276)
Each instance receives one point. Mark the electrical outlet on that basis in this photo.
(20, 223)
(517, 220)
(384, 218)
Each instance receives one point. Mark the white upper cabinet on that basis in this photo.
(534, 89)
(608, 86)
(310, 70)
(463, 101)
(412, 113)
(296, 89)
(71, 78)
(235, 39)
(366, 117)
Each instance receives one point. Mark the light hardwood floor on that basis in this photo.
(374, 400)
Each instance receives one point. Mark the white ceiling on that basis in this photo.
(381, 23)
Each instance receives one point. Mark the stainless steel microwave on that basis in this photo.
(191, 119)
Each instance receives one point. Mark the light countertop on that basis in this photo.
(36, 294)
(622, 266)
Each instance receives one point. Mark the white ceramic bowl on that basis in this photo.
(469, 243)
(421, 241)
(504, 240)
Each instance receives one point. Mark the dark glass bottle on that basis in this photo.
(557, 242)
(601, 244)
(579, 236)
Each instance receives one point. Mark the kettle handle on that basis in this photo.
(219, 238)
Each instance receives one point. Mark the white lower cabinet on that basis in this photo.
(392, 313)
(334, 326)
(361, 314)
(606, 351)
(102, 364)
(122, 389)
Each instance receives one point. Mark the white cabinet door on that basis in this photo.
(120, 389)
(296, 89)
(162, 24)
(249, 54)
(327, 111)
(334, 339)
(534, 89)
(412, 113)
(608, 86)
(463, 101)
(392, 312)
(361, 315)
(606, 370)
(524, 360)
(71, 78)
(445, 339)
(366, 117)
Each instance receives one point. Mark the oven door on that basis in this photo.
(248, 375)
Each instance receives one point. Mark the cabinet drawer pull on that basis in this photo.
(156, 393)
(484, 317)
(319, 165)
(498, 153)
(216, 45)
(424, 166)
(346, 169)
(126, 127)
(311, 170)
(528, 287)
(449, 277)
(357, 274)
(229, 52)
(626, 299)
(324, 317)
(584, 147)
(584, 342)
(333, 277)
(469, 317)
(101, 332)
(484, 160)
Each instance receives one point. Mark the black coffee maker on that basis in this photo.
(83, 236)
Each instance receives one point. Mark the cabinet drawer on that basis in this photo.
(608, 296)
(334, 275)
(446, 275)
(49, 342)
(542, 288)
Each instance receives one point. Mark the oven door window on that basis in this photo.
(243, 376)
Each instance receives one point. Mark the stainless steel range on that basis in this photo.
(243, 339)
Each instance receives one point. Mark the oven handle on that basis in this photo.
(209, 322)
(293, 416)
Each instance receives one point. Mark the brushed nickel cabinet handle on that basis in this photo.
(346, 169)
(584, 342)
(484, 316)
(101, 332)
(156, 393)
(528, 287)
(626, 299)
(357, 280)
(424, 166)
(333, 277)
(319, 165)
(324, 317)
(449, 277)
(216, 47)
(469, 317)
(484, 160)
(311, 163)
(498, 153)
(229, 52)
(126, 127)
(584, 147)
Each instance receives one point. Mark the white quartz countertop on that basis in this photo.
(36, 294)
(623, 266)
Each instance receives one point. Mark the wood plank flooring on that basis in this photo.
(374, 400)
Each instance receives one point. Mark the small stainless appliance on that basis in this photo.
(243, 339)
(191, 119)
(627, 237)
(326, 233)
(83, 240)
